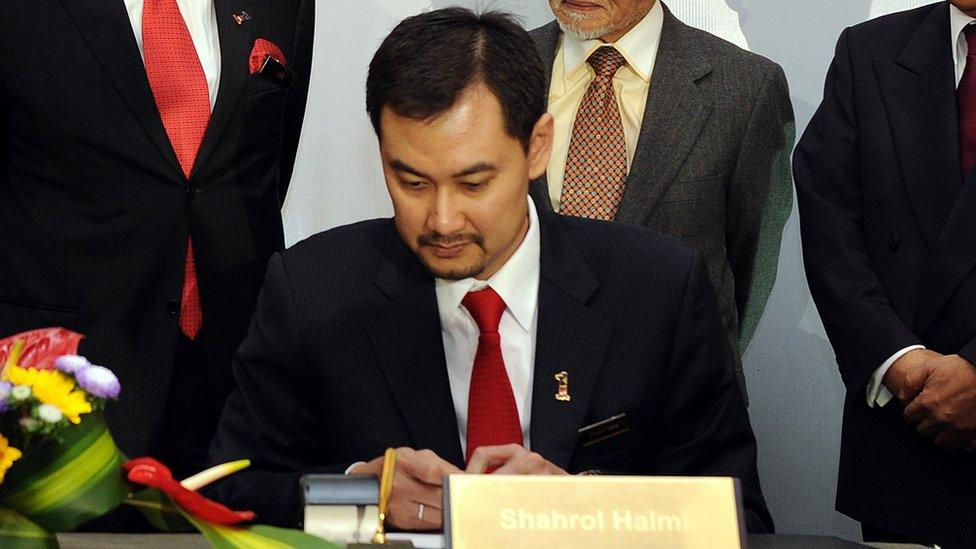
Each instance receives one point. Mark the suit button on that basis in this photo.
(893, 242)
(173, 307)
(192, 192)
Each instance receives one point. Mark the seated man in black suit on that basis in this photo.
(475, 325)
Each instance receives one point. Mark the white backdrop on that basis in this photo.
(795, 390)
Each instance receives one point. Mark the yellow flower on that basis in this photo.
(8, 455)
(54, 388)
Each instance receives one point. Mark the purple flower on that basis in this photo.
(99, 382)
(5, 388)
(71, 364)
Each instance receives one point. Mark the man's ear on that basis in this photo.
(540, 146)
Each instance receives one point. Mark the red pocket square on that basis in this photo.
(262, 50)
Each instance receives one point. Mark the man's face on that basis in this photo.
(459, 183)
(966, 6)
(607, 20)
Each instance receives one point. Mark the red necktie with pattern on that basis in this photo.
(966, 98)
(492, 414)
(179, 86)
(596, 166)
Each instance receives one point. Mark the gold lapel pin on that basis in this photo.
(563, 388)
(241, 18)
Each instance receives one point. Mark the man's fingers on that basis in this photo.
(915, 411)
(914, 383)
(432, 517)
(929, 427)
(408, 494)
(510, 459)
(488, 458)
(405, 515)
(425, 466)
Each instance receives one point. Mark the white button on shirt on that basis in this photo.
(201, 21)
(877, 394)
(517, 282)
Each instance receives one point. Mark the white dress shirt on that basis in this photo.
(201, 21)
(517, 282)
(877, 394)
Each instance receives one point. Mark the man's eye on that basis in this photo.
(473, 185)
(414, 184)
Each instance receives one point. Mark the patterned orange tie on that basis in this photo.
(179, 86)
(596, 167)
(492, 413)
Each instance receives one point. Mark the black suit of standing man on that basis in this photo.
(708, 128)
(362, 341)
(888, 218)
(97, 211)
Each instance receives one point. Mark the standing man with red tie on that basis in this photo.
(887, 198)
(146, 148)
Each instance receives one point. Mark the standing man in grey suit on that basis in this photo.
(666, 126)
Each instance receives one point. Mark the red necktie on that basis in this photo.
(492, 414)
(179, 86)
(596, 165)
(966, 98)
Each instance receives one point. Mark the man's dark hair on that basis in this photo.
(421, 68)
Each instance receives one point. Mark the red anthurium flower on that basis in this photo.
(41, 347)
(150, 472)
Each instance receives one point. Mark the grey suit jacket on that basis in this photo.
(712, 163)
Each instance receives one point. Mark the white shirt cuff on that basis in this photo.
(879, 395)
(353, 466)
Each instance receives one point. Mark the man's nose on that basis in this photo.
(445, 217)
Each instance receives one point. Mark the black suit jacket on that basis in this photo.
(889, 239)
(96, 210)
(712, 163)
(345, 358)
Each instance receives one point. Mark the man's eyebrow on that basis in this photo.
(477, 168)
(402, 166)
(480, 167)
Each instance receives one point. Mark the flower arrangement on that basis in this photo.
(59, 466)
(36, 403)
(51, 424)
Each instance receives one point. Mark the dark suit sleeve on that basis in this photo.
(863, 328)
(705, 427)
(760, 200)
(969, 351)
(270, 418)
(294, 114)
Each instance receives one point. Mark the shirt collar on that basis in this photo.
(957, 22)
(517, 281)
(638, 46)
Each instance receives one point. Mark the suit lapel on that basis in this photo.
(570, 338)
(674, 116)
(235, 49)
(955, 257)
(406, 334)
(106, 28)
(918, 91)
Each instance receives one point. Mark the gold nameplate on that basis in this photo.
(592, 511)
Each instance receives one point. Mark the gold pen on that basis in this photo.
(386, 488)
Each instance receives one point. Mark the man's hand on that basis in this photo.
(418, 481)
(894, 378)
(945, 406)
(510, 459)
